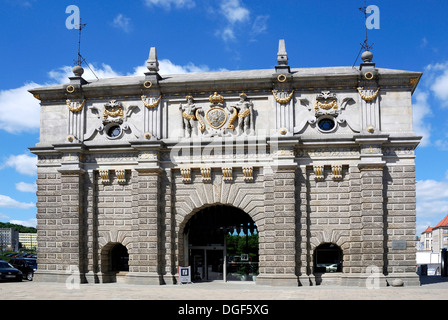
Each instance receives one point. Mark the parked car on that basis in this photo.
(27, 265)
(332, 268)
(8, 272)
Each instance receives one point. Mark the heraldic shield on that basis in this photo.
(216, 117)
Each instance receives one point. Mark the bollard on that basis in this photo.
(444, 262)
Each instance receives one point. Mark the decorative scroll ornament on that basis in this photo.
(248, 174)
(151, 105)
(186, 175)
(336, 171)
(201, 123)
(282, 100)
(370, 97)
(206, 174)
(233, 118)
(318, 172)
(121, 176)
(104, 175)
(74, 107)
(227, 174)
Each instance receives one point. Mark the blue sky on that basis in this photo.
(207, 35)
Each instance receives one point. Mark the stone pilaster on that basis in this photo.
(372, 235)
(279, 264)
(372, 217)
(61, 209)
(148, 244)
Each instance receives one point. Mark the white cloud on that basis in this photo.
(440, 88)
(61, 75)
(441, 144)
(234, 11)
(235, 15)
(437, 79)
(432, 202)
(422, 110)
(26, 187)
(19, 110)
(226, 34)
(27, 223)
(167, 4)
(8, 202)
(22, 163)
(122, 22)
(260, 24)
(167, 67)
(432, 197)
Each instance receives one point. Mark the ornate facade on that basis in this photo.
(313, 159)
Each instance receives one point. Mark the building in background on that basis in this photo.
(440, 235)
(9, 239)
(28, 240)
(432, 241)
(425, 241)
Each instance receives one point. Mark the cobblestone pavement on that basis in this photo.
(432, 288)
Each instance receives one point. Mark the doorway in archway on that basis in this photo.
(222, 243)
(119, 258)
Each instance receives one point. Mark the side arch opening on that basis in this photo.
(328, 258)
(114, 261)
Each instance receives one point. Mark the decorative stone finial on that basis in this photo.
(77, 78)
(367, 56)
(152, 63)
(282, 58)
(78, 71)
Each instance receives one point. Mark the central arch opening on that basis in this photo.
(222, 244)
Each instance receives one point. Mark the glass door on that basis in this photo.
(215, 262)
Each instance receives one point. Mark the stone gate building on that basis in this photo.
(136, 173)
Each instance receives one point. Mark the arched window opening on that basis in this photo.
(119, 258)
(327, 258)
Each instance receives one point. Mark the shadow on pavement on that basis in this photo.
(425, 280)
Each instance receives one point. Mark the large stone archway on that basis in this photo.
(275, 218)
(203, 237)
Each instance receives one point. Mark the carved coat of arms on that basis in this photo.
(217, 119)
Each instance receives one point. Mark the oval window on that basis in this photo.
(326, 124)
(113, 131)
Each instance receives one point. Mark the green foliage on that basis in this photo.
(18, 227)
(236, 245)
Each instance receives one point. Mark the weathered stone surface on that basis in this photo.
(123, 171)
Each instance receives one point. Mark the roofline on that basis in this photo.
(300, 78)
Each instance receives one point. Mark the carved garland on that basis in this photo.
(368, 98)
(75, 109)
(113, 114)
(331, 105)
(282, 100)
(188, 116)
(151, 105)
